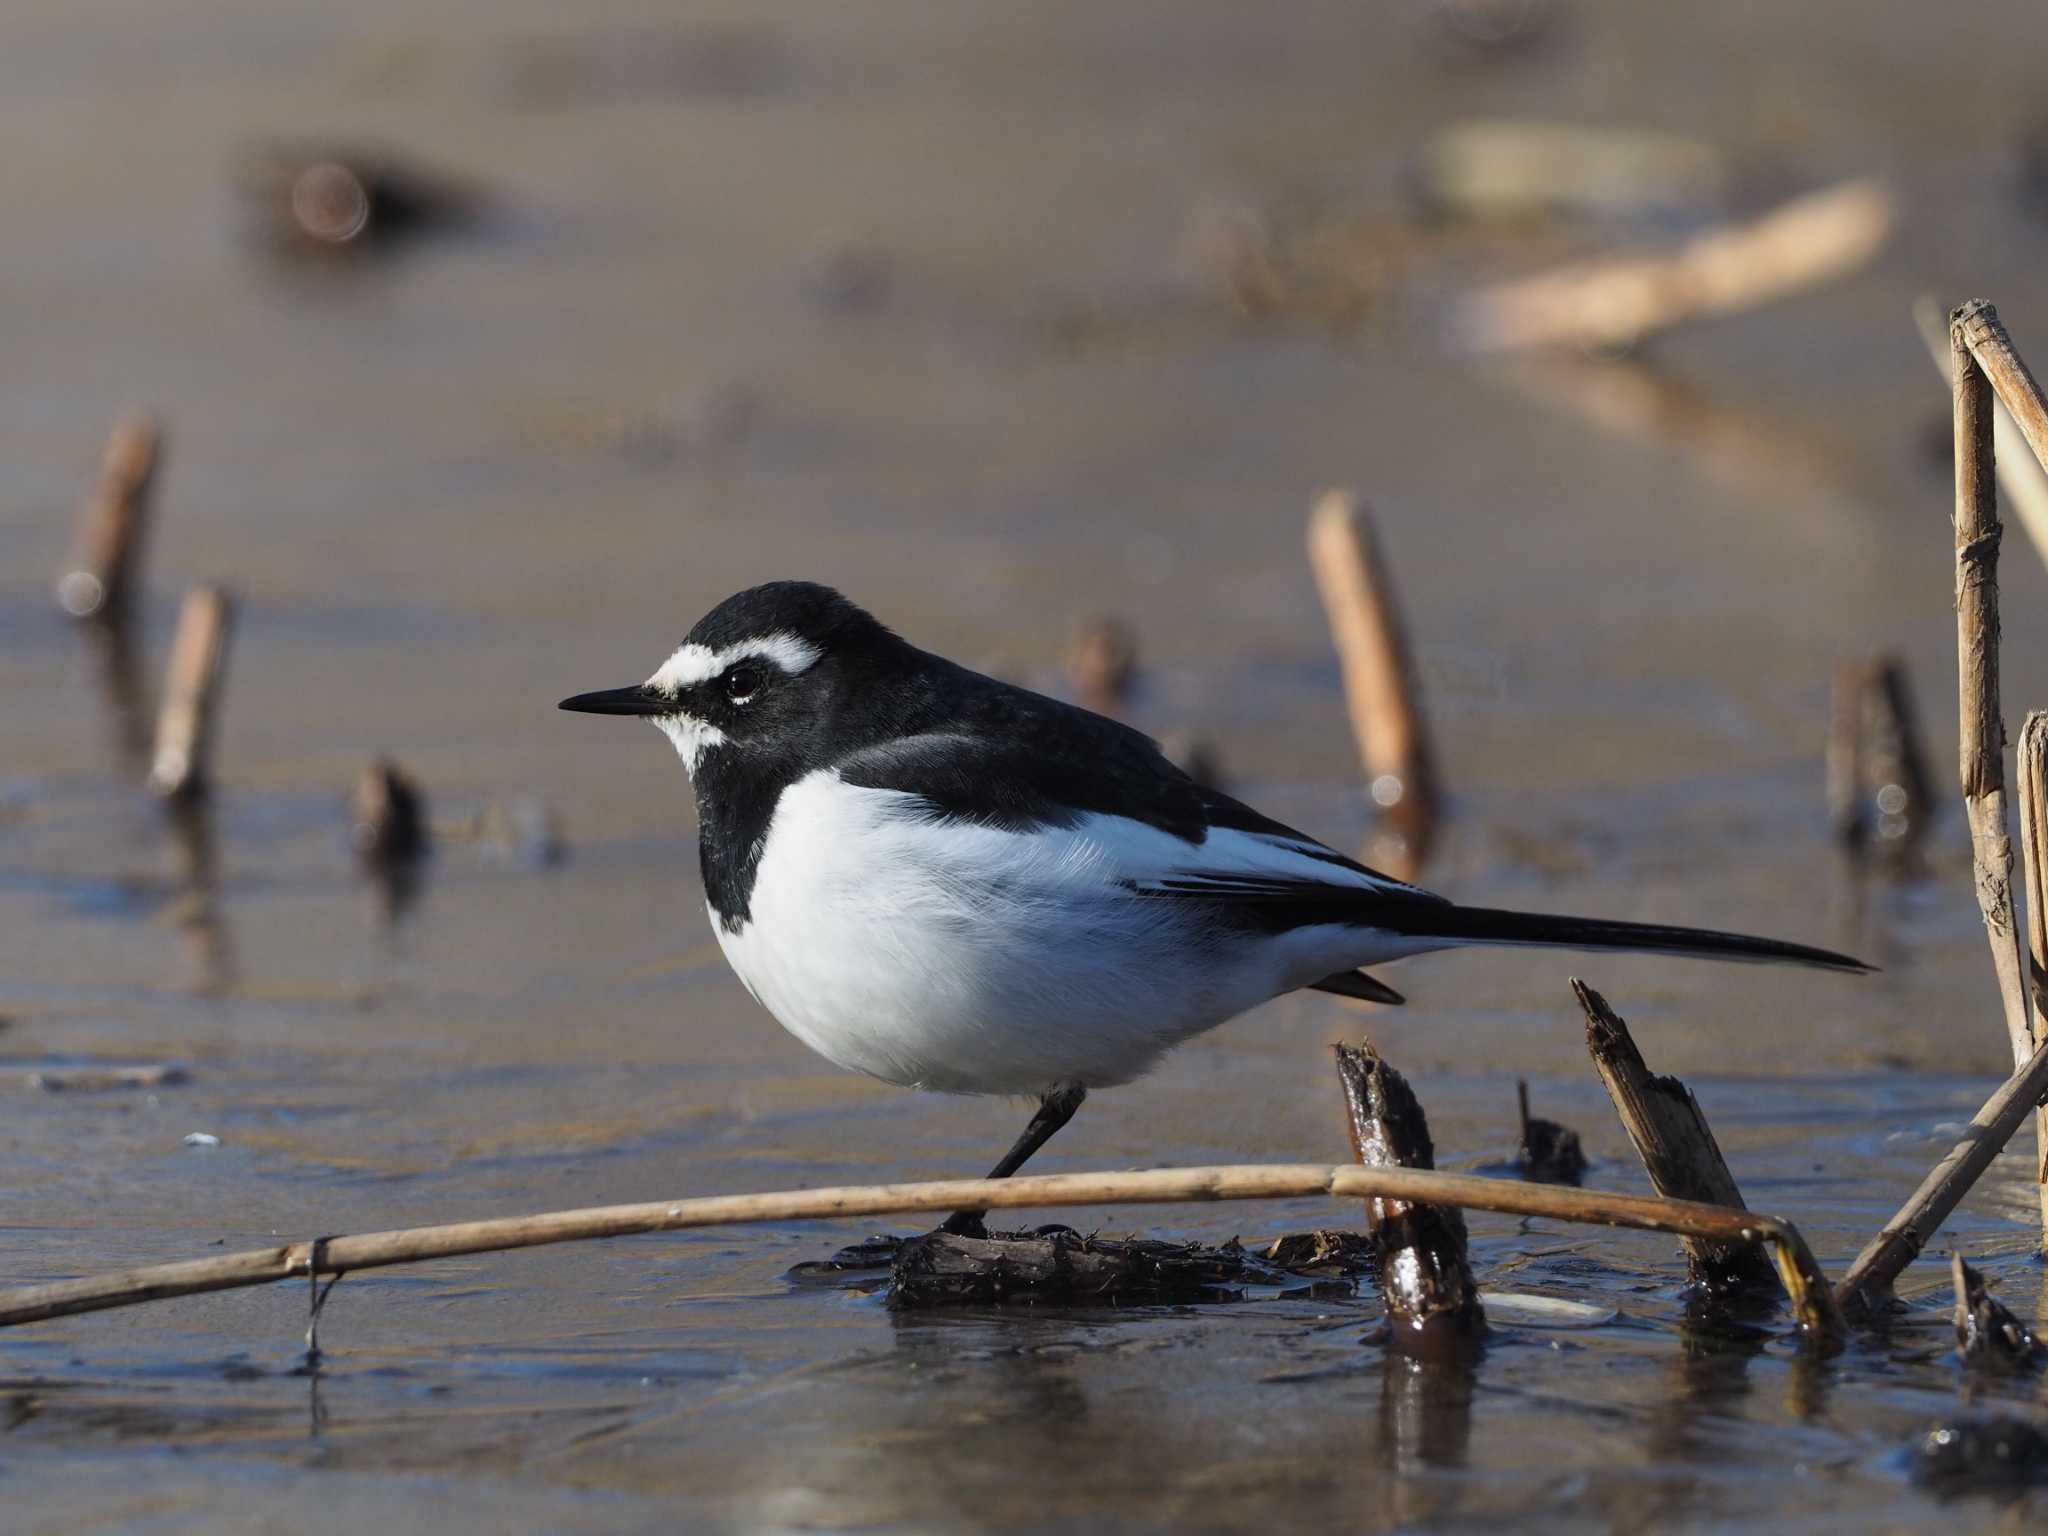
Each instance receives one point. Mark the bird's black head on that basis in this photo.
(764, 672)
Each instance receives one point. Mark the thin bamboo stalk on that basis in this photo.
(1869, 1279)
(1803, 1279)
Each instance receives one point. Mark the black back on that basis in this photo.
(887, 715)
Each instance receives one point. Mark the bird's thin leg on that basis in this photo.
(1054, 1110)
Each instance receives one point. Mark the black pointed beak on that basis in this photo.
(637, 700)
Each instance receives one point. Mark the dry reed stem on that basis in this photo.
(1802, 1277)
(1618, 301)
(2033, 775)
(2021, 479)
(185, 726)
(1670, 1134)
(1870, 1278)
(111, 524)
(1982, 742)
(1357, 589)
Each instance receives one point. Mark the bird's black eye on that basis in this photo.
(742, 682)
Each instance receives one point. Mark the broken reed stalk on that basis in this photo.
(111, 524)
(1433, 1308)
(1803, 1279)
(1616, 302)
(1869, 1279)
(1988, 1336)
(2021, 478)
(1357, 589)
(1670, 1134)
(185, 726)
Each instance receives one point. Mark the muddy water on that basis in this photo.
(516, 462)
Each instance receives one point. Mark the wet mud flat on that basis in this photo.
(683, 347)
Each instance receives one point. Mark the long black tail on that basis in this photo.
(1490, 925)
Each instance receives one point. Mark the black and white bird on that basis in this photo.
(951, 883)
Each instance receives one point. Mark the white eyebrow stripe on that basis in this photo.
(693, 664)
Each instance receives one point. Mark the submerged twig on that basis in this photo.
(1670, 1134)
(387, 815)
(1870, 1278)
(1988, 1336)
(1057, 1266)
(1548, 1152)
(1284, 1181)
(1379, 678)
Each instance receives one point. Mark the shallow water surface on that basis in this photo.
(516, 462)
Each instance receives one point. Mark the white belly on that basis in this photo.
(977, 960)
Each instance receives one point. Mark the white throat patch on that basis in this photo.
(691, 737)
(693, 664)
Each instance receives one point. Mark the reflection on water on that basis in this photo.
(196, 908)
(123, 693)
(1424, 1430)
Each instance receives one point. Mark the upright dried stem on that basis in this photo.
(1379, 678)
(1982, 745)
(111, 524)
(2033, 764)
(185, 727)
